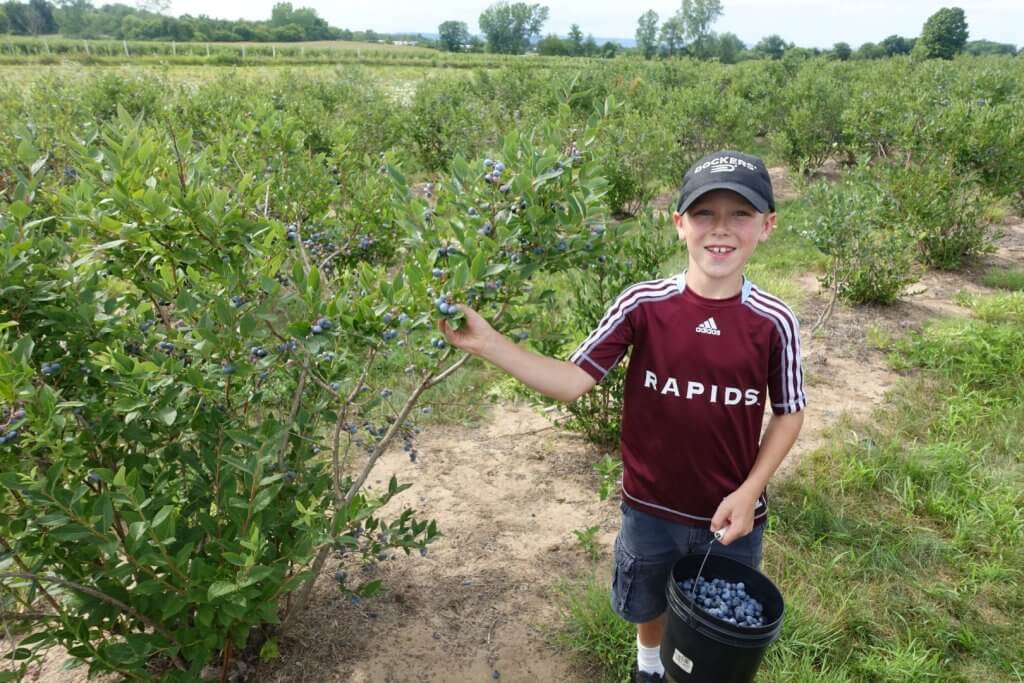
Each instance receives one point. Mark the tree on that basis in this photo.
(510, 26)
(673, 36)
(988, 47)
(869, 51)
(553, 46)
(3, 21)
(943, 35)
(452, 35)
(727, 47)
(72, 16)
(575, 40)
(772, 47)
(40, 16)
(842, 51)
(153, 6)
(647, 34)
(697, 17)
(610, 49)
(590, 47)
(896, 45)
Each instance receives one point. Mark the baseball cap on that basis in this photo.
(728, 169)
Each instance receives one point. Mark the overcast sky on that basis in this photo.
(808, 23)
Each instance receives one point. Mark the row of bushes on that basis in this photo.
(881, 221)
(800, 111)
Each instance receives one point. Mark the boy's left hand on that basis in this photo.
(736, 511)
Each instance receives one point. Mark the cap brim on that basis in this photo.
(755, 199)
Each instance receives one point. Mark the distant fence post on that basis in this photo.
(126, 53)
(86, 47)
(207, 49)
(174, 48)
(243, 52)
(273, 51)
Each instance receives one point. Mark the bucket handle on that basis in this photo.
(716, 536)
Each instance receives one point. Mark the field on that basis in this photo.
(243, 452)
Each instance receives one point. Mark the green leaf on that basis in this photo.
(27, 152)
(167, 415)
(162, 516)
(37, 165)
(205, 615)
(172, 604)
(19, 210)
(221, 588)
(370, 588)
(268, 652)
(479, 266)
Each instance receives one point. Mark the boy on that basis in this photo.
(709, 350)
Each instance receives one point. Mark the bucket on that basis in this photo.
(697, 647)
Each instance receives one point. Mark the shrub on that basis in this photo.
(812, 129)
(631, 253)
(856, 223)
(942, 210)
(190, 406)
(634, 156)
(446, 120)
(703, 118)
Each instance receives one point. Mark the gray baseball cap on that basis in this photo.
(728, 169)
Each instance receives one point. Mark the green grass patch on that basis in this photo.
(605, 643)
(1005, 278)
(899, 546)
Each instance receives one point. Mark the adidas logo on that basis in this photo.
(709, 327)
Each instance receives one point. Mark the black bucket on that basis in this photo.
(697, 647)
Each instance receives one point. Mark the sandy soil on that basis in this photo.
(508, 494)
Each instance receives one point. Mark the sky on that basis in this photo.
(808, 23)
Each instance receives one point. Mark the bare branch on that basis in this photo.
(449, 371)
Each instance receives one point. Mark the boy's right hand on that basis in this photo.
(472, 336)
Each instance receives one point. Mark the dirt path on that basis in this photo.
(507, 497)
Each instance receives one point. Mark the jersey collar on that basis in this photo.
(744, 289)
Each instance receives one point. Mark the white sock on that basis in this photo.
(649, 658)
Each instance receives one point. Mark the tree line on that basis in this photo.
(515, 28)
(506, 28)
(81, 19)
(688, 32)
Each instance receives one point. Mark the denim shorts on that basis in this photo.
(647, 548)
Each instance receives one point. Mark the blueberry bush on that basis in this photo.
(856, 222)
(207, 343)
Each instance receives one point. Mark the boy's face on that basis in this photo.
(721, 230)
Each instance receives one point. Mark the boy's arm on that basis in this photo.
(736, 510)
(558, 379)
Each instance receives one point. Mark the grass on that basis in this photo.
(1005, 278)
(900, 545)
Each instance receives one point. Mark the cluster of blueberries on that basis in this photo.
(321, 325)
(493, 175)
(8, 433)
(445, 306)
(408, 441)
(726, 600)
(376, 432)
(389, 318)
(320, 244)
(50, 368)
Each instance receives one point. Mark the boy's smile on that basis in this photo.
(721, 230)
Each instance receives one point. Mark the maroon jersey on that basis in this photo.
(701, 372)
